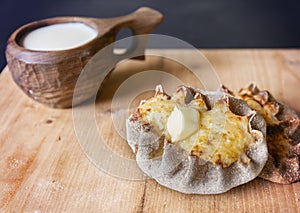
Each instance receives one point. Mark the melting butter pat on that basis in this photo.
(182, 122)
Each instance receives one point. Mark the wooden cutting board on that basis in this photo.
(43, 168)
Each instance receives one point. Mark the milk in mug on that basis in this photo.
(59, 37)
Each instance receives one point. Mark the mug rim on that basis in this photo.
(15, 49)
(22, 31)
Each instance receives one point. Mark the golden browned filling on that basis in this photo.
(217, 135)
(156, 111)
(223, 137)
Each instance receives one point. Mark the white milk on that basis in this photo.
(59, 36)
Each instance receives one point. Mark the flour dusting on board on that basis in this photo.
(53, 185)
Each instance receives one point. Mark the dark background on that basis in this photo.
(202, 23)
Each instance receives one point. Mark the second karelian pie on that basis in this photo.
(283, 135)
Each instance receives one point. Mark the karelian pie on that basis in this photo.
(283, 134)
(197, 142)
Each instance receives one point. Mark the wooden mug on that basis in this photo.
(49, 77)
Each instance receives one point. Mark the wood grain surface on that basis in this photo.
(44, 169)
